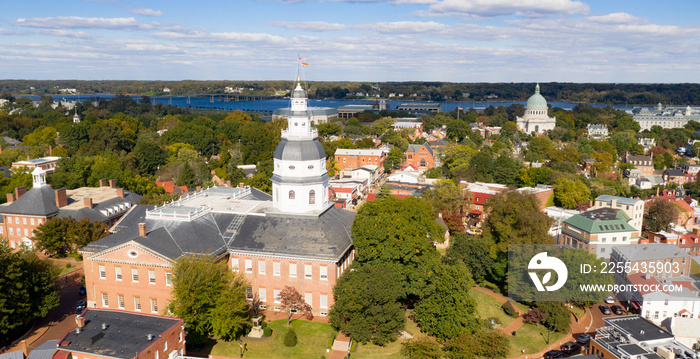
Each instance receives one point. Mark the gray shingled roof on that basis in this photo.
(39, 201)
(650, 251)
(17, 354)
(44, 351)
(307, 150)
(621, 200)
(413, 148)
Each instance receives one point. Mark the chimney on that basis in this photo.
(199, 188)
(142, 229)
(23, 346)
(10, 197)
(61, 199)
(87, 201)
(120, 192)
(80, 321)
(103, 182)
(241, 185)
(19, 191)
(113, 183)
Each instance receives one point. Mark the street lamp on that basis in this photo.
(240, 343)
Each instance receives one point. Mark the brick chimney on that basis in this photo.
(87, 201)
(199, 188)
(103, 182)
(23, 346)
(19, 191)
(61, 199)
(241, 185)
(142, 229)
(80, 321)
(120, 192)
(10, 197)
(113, 183)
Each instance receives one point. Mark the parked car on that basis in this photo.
(605, 309)
(475, 231)
(553, 354)
(610, 299)
(617, 309)
(570, 347)
(80, 307)
(583, 339)
(82, 290)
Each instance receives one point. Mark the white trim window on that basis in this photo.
(234, 264)
(307, 271)
(324, 272)
(324, 301)
(276, 268)
(249, 266)
(137, 304)
(276, 292)
(262, 295)
(293, 270)
(308, 298)
(103, 272)
(105, 300)
(118, 273)
(154, 305)
(261, 266)
(169, 279)
(135, 275)
(151, 276)
(120, 301)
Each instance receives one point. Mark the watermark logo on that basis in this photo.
(542, 261)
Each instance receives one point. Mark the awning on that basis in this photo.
(635, 304)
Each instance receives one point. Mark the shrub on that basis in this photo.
(330, 343)
(492, 286)
(267, 331)
(68, 265)
(353, 346)
(290, 338)
(508, 308)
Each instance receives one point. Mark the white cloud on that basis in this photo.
(76, 22)
(408, 27)
(219, 36)
(493, 8)
(316, 26)
(616, 18)
(145, 12)
(64, 33)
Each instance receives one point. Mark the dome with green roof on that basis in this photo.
(536, 100)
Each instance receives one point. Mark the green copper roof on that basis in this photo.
(602, 220)
(536, 100)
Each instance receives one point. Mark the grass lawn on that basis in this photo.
(532, 338)
(65, 270)
(312, 341)
(391, 350)
(488, 307)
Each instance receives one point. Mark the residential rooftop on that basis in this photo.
(621, 200)
(650, 251)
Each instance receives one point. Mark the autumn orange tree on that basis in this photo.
(293, 303)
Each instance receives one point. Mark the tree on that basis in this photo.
(515, 218)
(28, 289)
(366, 303)
(482, 343)
(569, 193)
(400, 232)
(149, 157)
(473, 252)
(292, 302)
(393, 159)
(445, 196)
(53, 237)
(186, 177)
(533, 316)
(423, 348)
(557, 316)
(290, 338)
(209, 297)
(447, 310)
(659, 214)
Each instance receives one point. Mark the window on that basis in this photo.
(276, 268)
(9, 219)
(103, 272)
(324, 301)
(307, 271)
(249, 266)
(12, 244)
(156, 357)
(179, 337)
(154, 306)
(293, 270)
(312, 197)
(105, 300)
(118, 272)
(324, 272)
(120, 301)
(261, 266)
(151, 276)
(165, 346)
(276, 292)
(16, 220)
(137, 304)
(624, 238)
(12, 232)
(249, 293)
(135, 275)
(308, 298)
(262, 295)
(0, 230)
(26, 233)
(234, 264)
(291, 194)
(168, 279)
(31, 221)
(24, 220)
(666, 302)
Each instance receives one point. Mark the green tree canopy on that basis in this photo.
(659, 214)
(444, 196)
(568, 193)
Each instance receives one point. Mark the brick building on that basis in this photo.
(420, 156)
(26, 210)
(110, 334)
(47, 164)
(598, 231)
(356, 158)
(296, 237)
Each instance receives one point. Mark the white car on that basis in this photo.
(610, 299)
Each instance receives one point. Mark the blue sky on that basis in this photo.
(359, 40)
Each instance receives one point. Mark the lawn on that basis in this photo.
(391, 350)
(312, 341)
(489, 307)
(532, 338)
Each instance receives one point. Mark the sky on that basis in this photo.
(609, 41)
